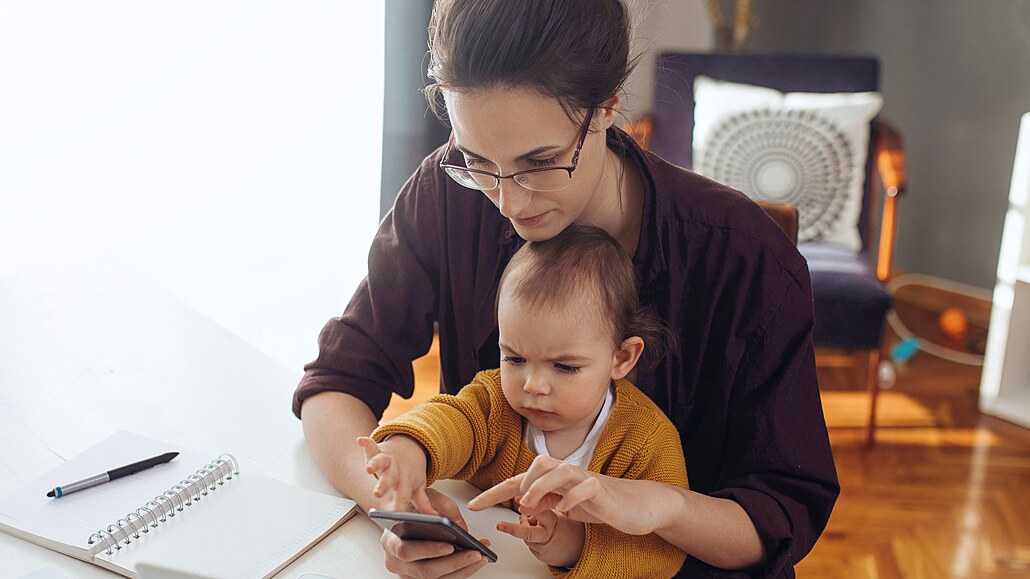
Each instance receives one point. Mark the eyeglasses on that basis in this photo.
(543, 179)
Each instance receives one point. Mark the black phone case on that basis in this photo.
(423, 527)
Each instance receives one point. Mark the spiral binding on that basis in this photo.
(181, 495)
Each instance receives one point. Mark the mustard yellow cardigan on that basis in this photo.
(477, 436)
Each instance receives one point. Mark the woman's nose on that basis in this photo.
(512, 198)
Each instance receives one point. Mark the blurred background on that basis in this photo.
(229, 152)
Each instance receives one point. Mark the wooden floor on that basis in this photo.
(944, 493)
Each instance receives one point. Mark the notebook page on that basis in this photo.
(65, 524)
(253, 526)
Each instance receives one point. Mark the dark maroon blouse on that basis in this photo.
(740, 385)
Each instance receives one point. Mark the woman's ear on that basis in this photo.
(626, 356)
(607, 112)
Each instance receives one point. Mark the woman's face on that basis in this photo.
(507, 130)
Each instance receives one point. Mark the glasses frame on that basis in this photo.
(497, 176)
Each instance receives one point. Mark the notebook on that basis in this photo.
(196, 515)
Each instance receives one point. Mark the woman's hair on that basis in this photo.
(586, 259)
(574, 50)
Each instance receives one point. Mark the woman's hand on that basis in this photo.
(715, 530)
(429, 559)
(631, 506)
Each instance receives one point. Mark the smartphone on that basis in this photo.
(423, 527)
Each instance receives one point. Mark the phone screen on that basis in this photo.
(423, 527)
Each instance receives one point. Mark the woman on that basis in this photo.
(531, 91)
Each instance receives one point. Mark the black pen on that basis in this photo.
(110, 475)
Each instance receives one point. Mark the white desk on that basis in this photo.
(84, 353)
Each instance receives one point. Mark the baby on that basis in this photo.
(570, 332)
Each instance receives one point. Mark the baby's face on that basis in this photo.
(556, 363)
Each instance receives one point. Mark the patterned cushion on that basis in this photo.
(805, 149)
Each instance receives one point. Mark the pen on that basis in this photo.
(111, 475)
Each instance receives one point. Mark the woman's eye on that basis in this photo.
(513, 360)
(545, 162)
(566, 369)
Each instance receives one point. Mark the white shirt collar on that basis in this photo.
(580, 457)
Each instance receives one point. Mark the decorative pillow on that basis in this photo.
(806, 149)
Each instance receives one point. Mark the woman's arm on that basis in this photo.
(332, 421)
(716, 531)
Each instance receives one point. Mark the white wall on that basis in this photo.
(229, 151)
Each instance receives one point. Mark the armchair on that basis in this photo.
(851, 303)
(784, 215)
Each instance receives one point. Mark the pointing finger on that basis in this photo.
(500, 492)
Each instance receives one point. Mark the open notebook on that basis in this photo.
(212, 520)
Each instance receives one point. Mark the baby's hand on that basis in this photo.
(400, 469)
(551, 536)
(380, 465)
(535, 529)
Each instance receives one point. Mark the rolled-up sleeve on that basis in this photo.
(778, 462)
(367, 351)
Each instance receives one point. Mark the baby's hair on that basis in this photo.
(585, 258)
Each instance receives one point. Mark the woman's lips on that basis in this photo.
(528, 221)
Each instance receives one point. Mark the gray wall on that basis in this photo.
(662, 25)
(956, 79)
(410, 130)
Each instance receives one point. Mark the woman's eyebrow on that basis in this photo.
(524, 156)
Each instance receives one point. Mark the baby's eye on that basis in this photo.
(513, 360)
(565, 368)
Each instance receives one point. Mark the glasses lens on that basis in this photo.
(544, 181)
(472, 180)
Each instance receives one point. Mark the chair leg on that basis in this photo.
(873, 386)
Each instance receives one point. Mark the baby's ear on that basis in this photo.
(626, 356)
